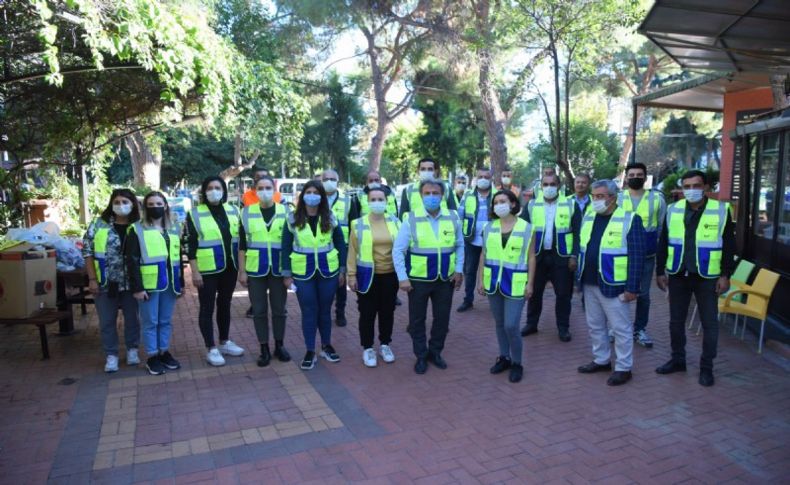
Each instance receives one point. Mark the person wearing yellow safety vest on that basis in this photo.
(371, 274)
(108, 281)
(341, 207)
(153, 256)
(697, 249)
(359, 204)
(555, 227)
(473, 213)
(506, 181)
(506, 265)
(581, 192)
(428, 254)
(260, 267)
(650, 206)
(411, 199)
(314, 264)
(611, 256)
(213, 228)
(459, 189)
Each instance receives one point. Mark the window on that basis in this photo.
(784, 213)
(768, 167)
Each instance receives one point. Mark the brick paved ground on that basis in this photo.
(65, 421)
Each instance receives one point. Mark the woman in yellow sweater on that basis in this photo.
(371, 274)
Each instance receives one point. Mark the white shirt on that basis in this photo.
(482, 220)
(549, 209)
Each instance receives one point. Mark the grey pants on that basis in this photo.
(277, 294)
(507, 316)
(107, 310)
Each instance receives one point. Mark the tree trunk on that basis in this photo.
(495, 119)
(644, 87)
(146, 161)
(377, 144)
(777, 90)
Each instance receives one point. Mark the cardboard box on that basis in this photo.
(27, 281)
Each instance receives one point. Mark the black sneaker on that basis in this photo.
(249, 312)
(516, 372)
(465, 306)
(155, 366)
(501, 365)
(328, 352)
(281, 354)
(168, 361)
(340, 320)
(529, 330)
(309, 360)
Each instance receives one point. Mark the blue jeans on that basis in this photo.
(471, 263)
(107, 310)
(643, 300)
(315, 301)
(156, 315)
(507, 316)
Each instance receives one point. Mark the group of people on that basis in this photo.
(605, 242)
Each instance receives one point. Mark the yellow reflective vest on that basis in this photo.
(506, 268)
(264, 241)
(415, 198)
(562, 223)
(100, 236)
(365, 263)
(340, 208)
(313, 252)
(157, 275)
(613, 250)
(471, 203)
(211, 257)
(431, 256)
(648, 210)
(364, 208)
(708, 238)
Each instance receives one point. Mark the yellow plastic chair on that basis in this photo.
(758, 294)
(739, 278)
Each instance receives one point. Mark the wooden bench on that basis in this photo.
(40, 319)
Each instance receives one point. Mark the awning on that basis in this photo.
(704, 93)
(722, 35)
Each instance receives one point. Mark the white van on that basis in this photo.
(290, 189)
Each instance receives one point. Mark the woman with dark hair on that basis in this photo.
(260, 267)
(153, 257)
(103, 249)
(213, 238)
(313, 256)
(506, 262)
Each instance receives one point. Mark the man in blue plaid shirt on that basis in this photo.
(612, 251)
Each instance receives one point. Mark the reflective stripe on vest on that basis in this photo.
(264, 241)
(506, 268)
(100, 236)
(613, 249)
(313, 252)
(708, 238)
(431, 256)
(562, 224)
(365, 263)
(340, 209)
(364, 208)
(415, 198)
(648, 210)
(154, 270)
(471, 204)
(211, 257)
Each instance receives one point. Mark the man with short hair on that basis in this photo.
(555, 225)
(473, 213)
(697, 249)
(428, 254)
(250, 197)
(359, 204)
(506, 181)
(650, 206)
(340, 205)
(427, 169)
(581, 192)
(611, 256)
(460, 188)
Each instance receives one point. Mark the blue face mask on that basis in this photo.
(312, 199)
(431, 202)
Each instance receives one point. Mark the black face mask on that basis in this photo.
(155, 212)
(636, 183)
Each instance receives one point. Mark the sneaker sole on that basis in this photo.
(232, 354)
(154, 373)
(110, 371)
(172, 367)
(215, 365)
(304, 367)
(370, 365)
(132, 363)
(327, 357)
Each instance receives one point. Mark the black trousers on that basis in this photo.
(704, 290)
(268, 291)
(440, 294)
(217, 289)
(379, 300)
(340, 300)
(550, 266)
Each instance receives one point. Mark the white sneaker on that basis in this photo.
(229, 348)
(112, 364)
(369, 358)
(386, 354)
(132, 357)
(215, 358)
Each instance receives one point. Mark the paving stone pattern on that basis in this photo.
(65, 421)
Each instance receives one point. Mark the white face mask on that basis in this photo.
(426, 174)
(122, 209)
(506, 180)
(483, 184)
(265, 195)
(460, 187)
(378, 206)
(374, 185)
(600, 206)
(693, 195)
(550, 192)
(330, 186)
(501, 210)
(214, 196)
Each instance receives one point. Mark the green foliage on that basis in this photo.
(684, 144)
(400, 154)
